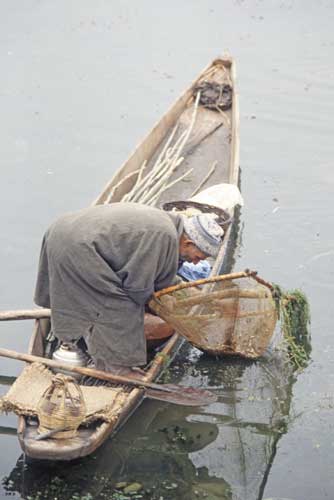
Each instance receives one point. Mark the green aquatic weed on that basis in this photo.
(294, 313)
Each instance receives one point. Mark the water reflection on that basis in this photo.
(252, 414)
(224, 451)
(155, 451)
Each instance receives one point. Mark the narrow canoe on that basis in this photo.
(214, 138)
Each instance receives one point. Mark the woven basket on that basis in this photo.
(61, 406)
(232, 314)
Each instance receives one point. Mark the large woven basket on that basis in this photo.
(231, 314)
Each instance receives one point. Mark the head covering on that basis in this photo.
(205, 232)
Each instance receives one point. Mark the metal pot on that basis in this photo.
(70, 354)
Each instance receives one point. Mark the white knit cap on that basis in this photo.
(205, 232)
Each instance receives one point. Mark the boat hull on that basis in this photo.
(211, 141)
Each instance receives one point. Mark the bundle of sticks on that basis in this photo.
(150, 185)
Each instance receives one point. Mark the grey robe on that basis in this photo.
(98, 267)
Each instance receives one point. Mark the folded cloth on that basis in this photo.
(193, 272)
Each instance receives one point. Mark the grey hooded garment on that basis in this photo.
(98, 267)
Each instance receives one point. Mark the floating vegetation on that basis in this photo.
(294, 314)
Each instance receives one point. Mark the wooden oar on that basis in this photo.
(177, 394)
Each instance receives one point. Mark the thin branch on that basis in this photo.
(127, 196)
(164, 188)
(206, 178)
(112, 192)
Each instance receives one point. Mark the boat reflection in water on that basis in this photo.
(221, 452)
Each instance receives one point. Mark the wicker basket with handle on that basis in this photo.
(61, 406)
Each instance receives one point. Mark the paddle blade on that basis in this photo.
(186, 396)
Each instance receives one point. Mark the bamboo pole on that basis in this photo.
(262, 281)
(25, 314)
(90, 372)
(213, 279)
(223, 277)
(166, 392)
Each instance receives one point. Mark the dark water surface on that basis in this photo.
(81, 83)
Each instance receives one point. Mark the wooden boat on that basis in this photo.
(214, 138)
